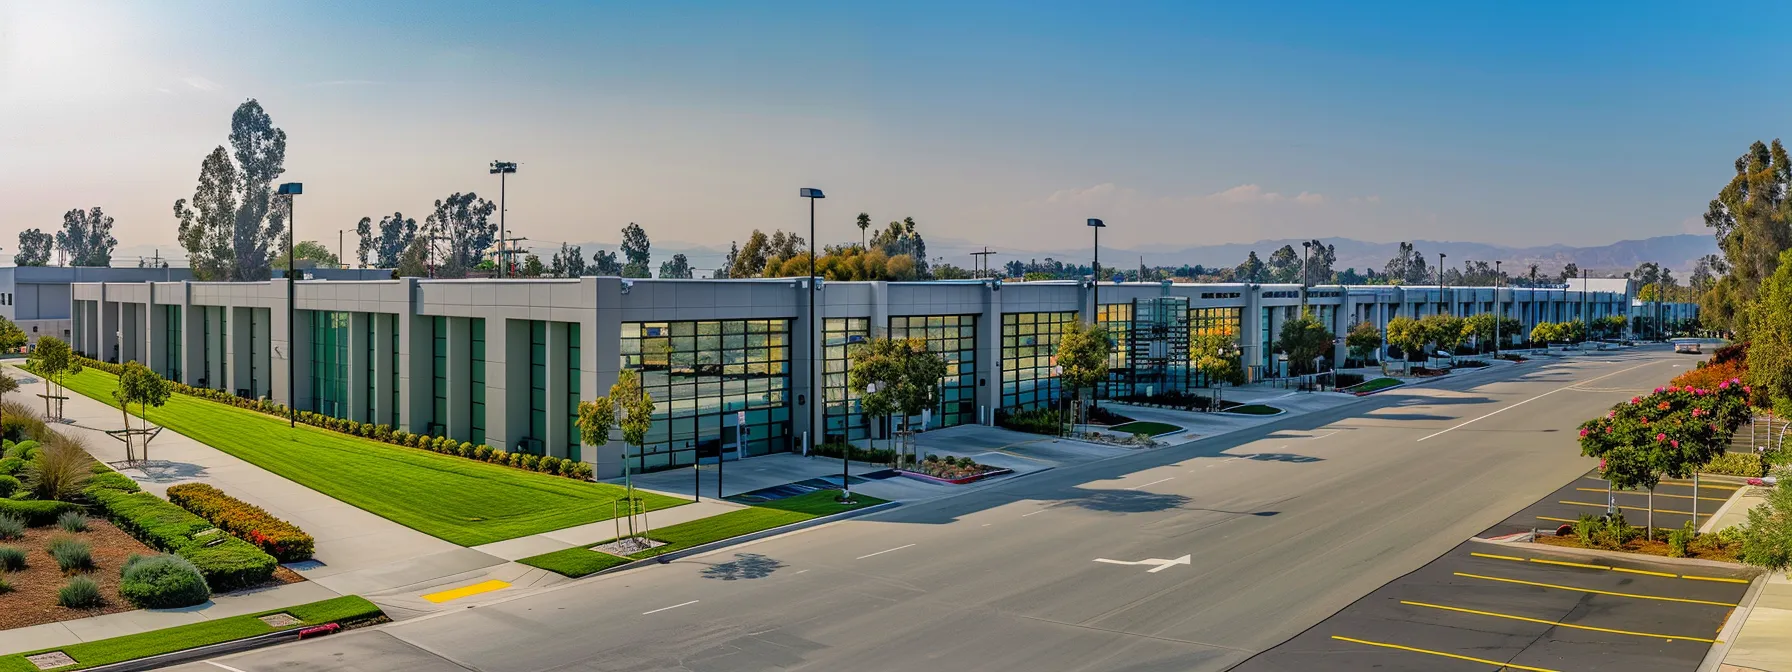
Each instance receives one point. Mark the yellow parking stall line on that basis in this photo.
(1497, 557)
(1483, 661)
(1631, 508)
(1644, 572)
(1557, 520)
(1558, 624)
(466, 591)
(1565, 563)
(1661, 598)
(1714, 486)
(1713, 578)
(1658, 494)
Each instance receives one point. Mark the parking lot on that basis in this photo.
(1491, 606)
(1673, 505)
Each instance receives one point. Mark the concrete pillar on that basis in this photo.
(156, 345)
(385, 329)
(1250, 329)
(989, 356)
(460, 359)
(604, 350)
(416, 359)
(360, 366)
(506, 383)
(108, 336)
(239, 350)
(130, 336)
(805, 414)
(557, 388)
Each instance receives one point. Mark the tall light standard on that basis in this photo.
(1306, 248)
(502, 169)
(289, 190)
(1095, 273)
(812, 332)
(1585, 326)
(1499, 312)
(1440, 284)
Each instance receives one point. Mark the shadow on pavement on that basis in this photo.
(1283, 457)
(744, 566)
(1126, 501)
(163, 471)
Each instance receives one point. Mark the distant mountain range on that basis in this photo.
(1678, 252)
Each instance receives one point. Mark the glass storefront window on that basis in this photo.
(329, 363)
(700, 374)
(954, 337)
(845, 420)
(1029, 347)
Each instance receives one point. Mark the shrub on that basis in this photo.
(59, 470)
(529, 461)
(516, 459)
(5, 585)
(163, 582)
(72, 521)
(229, 563)
(79, 593)
(548, 464)
(11, 466)
(35, 513)
(482, 452)
(873, 455)
(465, 449)
(23, 450)
(110, 480)
(498, 457)
(12, 558)
(151, 519)
(283, 540)
(1679, 540)
(1747, 465)
(8, 485)
(1347, 379)
(1036, 421)
(583, 471)
(71, 554)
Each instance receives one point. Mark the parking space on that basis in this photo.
(1487, 606)
(1673, 505)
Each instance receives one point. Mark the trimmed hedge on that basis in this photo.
(110, 480)
(227, 562)
(11, 466)
(281, 539)
(1748, 465)
(163, 582)
(231, 564)
(383, 433)
(36, 513)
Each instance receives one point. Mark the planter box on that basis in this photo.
(953, 481)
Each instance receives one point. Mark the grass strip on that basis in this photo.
(180, 638)
(453, 498)
(1375, 385)
(574, 562)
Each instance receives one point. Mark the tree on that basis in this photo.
(414, 263)
(1770, 346)
(233, 220)
(635, 413)
(138, 384)
(637, 250)
(311, 254)
(749, 260)
(1751, 220)
(54, 360)
(902, 238)
(1670, 432)
(464, 222)
(1569, 272)
(532, 266)
(950, 272)
(1408, 266)
(1082, 357)
(1546, 333)
(86, 237)
(34, 248)
(8, 385)
(1409, 335)
(1305, 339)
(1446, 331)
(864, 223)
(678, 267)
(387, 244)
(1362, 339)
(604, 263)
(1284, 265)
(1482, 327)
(1252, 270)
(1216, 355)
(1319, 263)
(569, 262)
(905, 374)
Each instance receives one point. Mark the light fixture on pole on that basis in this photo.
(1095, 273)
(289, 190)
(812, 332)
(1499, 309)
(1306, 248)
(502, 169)
(1440, 284)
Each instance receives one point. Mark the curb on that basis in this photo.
(754, 536)
(1711, 522)
(1620, 555)
(1726, 635)
(952, 481)
(202, 652)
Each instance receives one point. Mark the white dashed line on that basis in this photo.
(675, 606)
(887, 550)
(1147, 485)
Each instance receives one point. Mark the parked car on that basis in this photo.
(1686, 348)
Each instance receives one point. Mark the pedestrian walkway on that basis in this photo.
(1764, 640)
(94, 628)
(592, 533)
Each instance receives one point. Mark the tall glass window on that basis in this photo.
(954, 337)
(573, 353)
(845, 419)
(1117, 317)
(171, 347)
(438, 424)
(367, 413)
(1029, 349)
(1207, 321)
(396, 414)
(329, 362)
(700, 374)
(476, 374)
(538, 380)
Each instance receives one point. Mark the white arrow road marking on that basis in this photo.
(1161, 564)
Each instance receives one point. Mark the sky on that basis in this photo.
(998, 123)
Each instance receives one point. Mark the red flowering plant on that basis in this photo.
(1670, 432)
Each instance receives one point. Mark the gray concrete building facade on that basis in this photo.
(727, 362)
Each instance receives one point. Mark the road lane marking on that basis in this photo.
(1035, 513)
(887, 550)
(1644, 572)
(675, 606)
(1558, 624)
(222, 666)
(466, 591)
(1633, 508)
(1159, 564)
(799, 572)
(1625, 570)
(1172, 478)
(1497, 557)
(1713, 578)
(1679, 484)
(1658, 494)
(1472, 659)
(1556, 520)
(1540, 396)
(1597, 592)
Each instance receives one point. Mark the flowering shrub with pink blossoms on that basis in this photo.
(1670, 432)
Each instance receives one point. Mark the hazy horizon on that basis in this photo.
(1180, 125)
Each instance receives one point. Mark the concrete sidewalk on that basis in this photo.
(1764, 641)
(124, 623)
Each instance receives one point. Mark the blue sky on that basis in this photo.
(1000, 123)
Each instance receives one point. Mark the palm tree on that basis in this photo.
(864, 223)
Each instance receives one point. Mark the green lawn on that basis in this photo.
(1254, 409)
(580, 561)
(1143, 427)
(454, 498)
(1375, 385)
(157, 642)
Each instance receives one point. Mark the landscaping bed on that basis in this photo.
(1145, 427)
(1616, 535)
(33, 600)
(1657, 547)
(346, 611)
(459, 500)
(954, 470)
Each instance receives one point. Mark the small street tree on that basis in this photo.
(635, 418)
(1362, 339)
(11, 336)
(1445, 331)
(1409, 336)
(1215, 354)
(919, 388)
(1305, 339)
(53, 359)
(1082, 357)
(1671, 432)
(1546, 333)
(141, 385)
(896, 376)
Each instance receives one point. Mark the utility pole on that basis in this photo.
(502, 169)
(981, 261)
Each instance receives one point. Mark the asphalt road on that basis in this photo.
(1283, 525)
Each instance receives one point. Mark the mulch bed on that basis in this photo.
(1656, 547)
(33, 598)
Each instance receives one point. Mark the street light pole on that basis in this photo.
(1306, 247)
(1440, 284)
(502, 169)
(1095, 273)
(289, 190)
(814, 434)
(1499, 306)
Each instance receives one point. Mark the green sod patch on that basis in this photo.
(577, 562)
(1254, 409)
(180, 638)
(574, 562)
(454, 498)
(1375, 385)
(1144, 427)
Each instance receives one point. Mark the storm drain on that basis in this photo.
(51, 660)
(280, 620)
